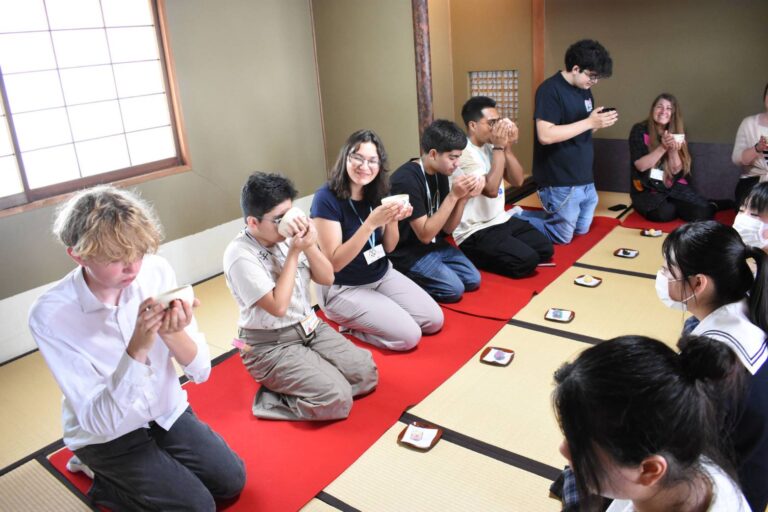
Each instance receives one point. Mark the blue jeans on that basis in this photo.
(567, 211)
(445, 274)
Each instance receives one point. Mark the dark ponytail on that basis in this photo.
(634, 397)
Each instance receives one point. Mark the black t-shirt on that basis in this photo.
(410, 179)
(569, 162)
(325, 205)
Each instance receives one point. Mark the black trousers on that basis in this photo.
(512, 249)
(671, 208)
(184, 468)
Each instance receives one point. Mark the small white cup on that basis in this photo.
(398, 198)
(284, 228)
(184, 293)
(679, 137)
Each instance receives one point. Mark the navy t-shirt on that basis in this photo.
(325, 205)
(410, 179)
(569, 162)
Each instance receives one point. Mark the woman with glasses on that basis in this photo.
(706, 272)
(661, 167)
(750, 150)
(640, 426)
(370, 299)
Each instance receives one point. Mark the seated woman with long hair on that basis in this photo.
(640, 426)
(369, 298)
(661, 167)
(707, 273)
(750, 150)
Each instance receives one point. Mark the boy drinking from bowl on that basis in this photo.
(109, 345)
(492, 238)
(307, 370)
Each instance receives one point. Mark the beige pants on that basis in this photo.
(306, 378)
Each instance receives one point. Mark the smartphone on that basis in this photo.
(607, 109)
(559, 315)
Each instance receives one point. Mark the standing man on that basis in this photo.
(562, 148)
(422, 253)
(492, 238)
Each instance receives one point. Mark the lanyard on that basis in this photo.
(432, 207)
(372, 239)
(297, 279)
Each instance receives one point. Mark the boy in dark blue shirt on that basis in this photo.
(562, 149)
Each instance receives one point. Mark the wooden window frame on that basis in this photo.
(31, 199)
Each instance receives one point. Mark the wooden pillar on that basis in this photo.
(423, 63)
(537, 20)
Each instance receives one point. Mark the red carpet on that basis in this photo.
(289, 463)
(637, 221)
(501, 297)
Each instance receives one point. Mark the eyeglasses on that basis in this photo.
(662, 108)
(492, 122)
(359, 160)
(593, 77)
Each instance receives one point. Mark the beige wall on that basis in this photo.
(493, 35)
(248, 86)
(367, 73)
(711, 54)
(442, 59)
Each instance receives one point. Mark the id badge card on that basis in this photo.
(310, 323)
(657, 174)
(374, 254)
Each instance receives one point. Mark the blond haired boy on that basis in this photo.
(110, 346)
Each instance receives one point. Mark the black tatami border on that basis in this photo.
(583, 338)
(614, 270)
(335, 502)
(489, 450)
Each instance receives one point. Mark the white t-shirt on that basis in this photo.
(726, 495)
(480, 212)
(107, 393)
(252, 270)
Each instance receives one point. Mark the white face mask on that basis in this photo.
(662, 291)
(750, 229)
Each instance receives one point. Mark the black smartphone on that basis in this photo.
(607, 109)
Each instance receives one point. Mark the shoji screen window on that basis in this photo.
(501, 85)
(86, 96)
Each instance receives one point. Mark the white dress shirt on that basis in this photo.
(106, 392)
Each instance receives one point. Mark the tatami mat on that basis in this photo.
(317, 505)
(217, 315)
(605, 201)
(32, 487)
(31, 403)
(508, 407)
(448, 477)
(648, 260)
(620, 305)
